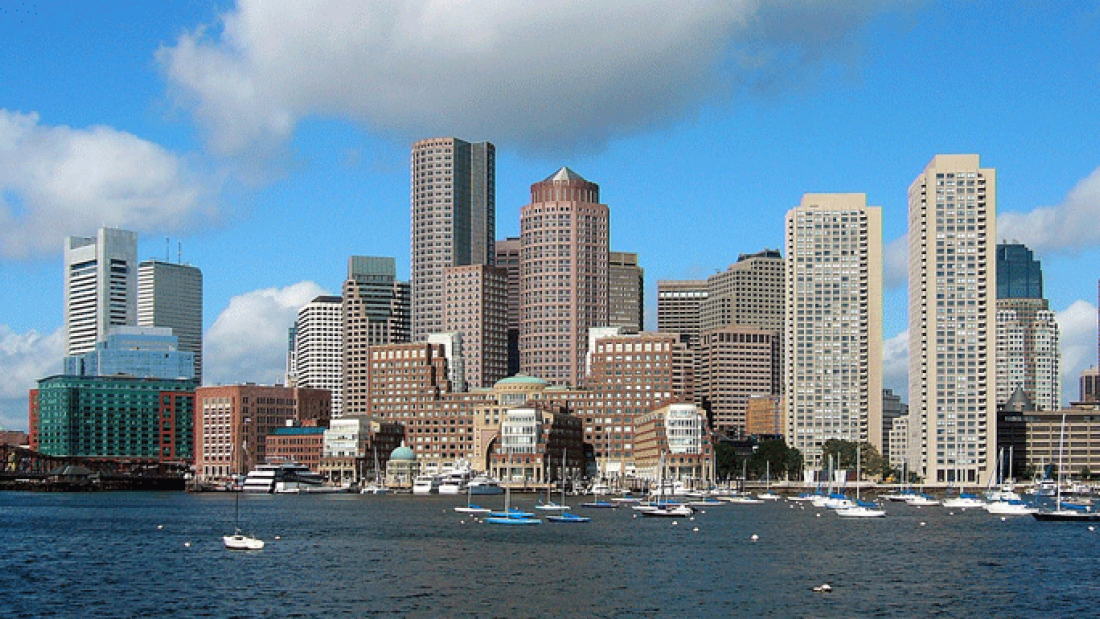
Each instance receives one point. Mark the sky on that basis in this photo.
(266, 141)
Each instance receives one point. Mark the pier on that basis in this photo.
(25, 469)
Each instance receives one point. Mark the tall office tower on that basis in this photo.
(1028, 351)
(750, 292)
(679, 308)
(564, 231)
(508, 259)
(170, 295)
(100, 287)
(952, 319)
(625, 292)
(319, 348)
(833, 361)
(475, 304)
(453, 352)
(375, 312)
(733, 364)
(453, 219)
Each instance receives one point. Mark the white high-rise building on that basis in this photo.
(453, 220)
(100, 287)
(170, 295)
(833, 339)
(319, 348)
(952, 313)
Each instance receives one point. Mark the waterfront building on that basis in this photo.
(565, 238)
(453, 220)
(121, 417)
(402, 468)
(897, 441)
(318, 359)
(679, 308)
(732, 364)
(375, 312)
(892, 409)
(142, 352)
(952, 319)
(293, 443)
(833, 362)
(1028, 350)
(475, 305)
(100, 287)
(14, 438)
(625, 292)
(233, 421)
(533, 441)
(170, 295)
(1037, 439)
(507, 258)
(766, 416)
(355, 445)
(679, 433)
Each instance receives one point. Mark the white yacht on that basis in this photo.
(964, 501)
(1011, 507)
(454, 481)
(426, 484)
(282, 478)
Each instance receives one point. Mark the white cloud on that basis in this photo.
(895, 364)
(546, 75)
(25, 358)
(895, 263)
(1068, 226)
(248, 341)
(59, 181)
(1077, 327)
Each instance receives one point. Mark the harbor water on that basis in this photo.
(160, 555)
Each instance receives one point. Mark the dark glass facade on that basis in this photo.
(1019, 275)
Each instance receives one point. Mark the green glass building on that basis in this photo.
(114, 417)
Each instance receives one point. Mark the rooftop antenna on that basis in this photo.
(167, 251)
(179, 253)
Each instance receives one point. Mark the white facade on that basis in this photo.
(170, 295)
(1029, 355)
(833, 332)
(319, 349)
(952, 303)
(100, 287)
(685, 427)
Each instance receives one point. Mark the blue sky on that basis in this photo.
(270, 140)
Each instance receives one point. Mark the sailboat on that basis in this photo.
(663, 509)
(861, 509)
(470, 508)
(743, 498)
(511, 515)
(1066, 512)
(549, 505)
(240, 541)
(565, 517)
(375, 487)
(768, 495)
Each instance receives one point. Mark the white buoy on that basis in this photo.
(278, 537)
(187, 544)
(1091, 528)
(818, 515)
(922, 524)
(1003, 519)
(950, 513)
(825, 588)
(692, 518)
(674, 523)
(160, 526)
(754, 537)
(696, 529)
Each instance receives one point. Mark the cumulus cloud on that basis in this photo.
(895, 364)
(25, 358)
(58, 181)
(895, 263)
(1068, 226)
(544, 75)
(1077, 327)
(248, 341)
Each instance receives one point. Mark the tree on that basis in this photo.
(776, 457)
(844, 457)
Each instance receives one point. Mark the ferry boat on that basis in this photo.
(282, 478)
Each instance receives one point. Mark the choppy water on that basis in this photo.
(102, 555)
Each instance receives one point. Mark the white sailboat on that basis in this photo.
(767, 494)
(240, 541)
(550, 505)
(860, 509)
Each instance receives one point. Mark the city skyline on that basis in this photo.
(698, 164)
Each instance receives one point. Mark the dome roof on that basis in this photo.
(521, 379)
(403, 453)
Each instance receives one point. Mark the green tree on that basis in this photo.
(844, 457)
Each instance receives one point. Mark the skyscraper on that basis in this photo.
(625, 292)
(475, 305)
(1028, 351)
(679, 308)
(100, 287)
(170, 295)
(952, 319)
(564, 231)
(319, 349)
(833, 360)
(750, 292)
(375, 312)
(508, 259)
(453, 220)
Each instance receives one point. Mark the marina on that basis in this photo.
(141, 554)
